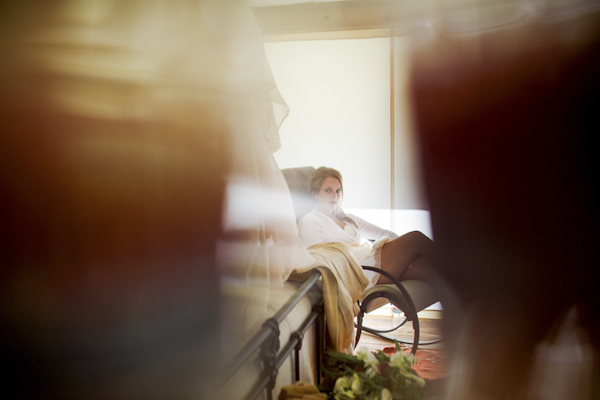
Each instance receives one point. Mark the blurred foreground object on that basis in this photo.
(137, 138)
(112, 172)
(507, 100)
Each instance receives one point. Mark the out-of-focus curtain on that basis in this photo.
(135, 134)
(260, 246)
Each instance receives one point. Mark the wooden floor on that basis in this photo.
(430, 330)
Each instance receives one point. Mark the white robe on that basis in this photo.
(316, 227)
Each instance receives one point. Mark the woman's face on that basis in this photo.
(329, 197)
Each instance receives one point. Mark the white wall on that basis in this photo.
(338, 92)
(339, 98)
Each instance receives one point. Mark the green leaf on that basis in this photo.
(369, 384)
(343, 356)
(397, 345)
(413, 393)
(382, 357)
(398, 393)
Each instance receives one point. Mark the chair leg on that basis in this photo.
(372, 330)
(382, 334)
(415, 342)
(402, 301)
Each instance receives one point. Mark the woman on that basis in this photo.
(405, 257)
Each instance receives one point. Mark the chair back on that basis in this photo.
(298, 180)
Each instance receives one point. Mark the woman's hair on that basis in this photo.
(320, 174)
(316, 181)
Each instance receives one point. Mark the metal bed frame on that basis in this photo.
(267, 342)
(272, 356)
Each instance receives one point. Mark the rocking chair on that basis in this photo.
(410, 296)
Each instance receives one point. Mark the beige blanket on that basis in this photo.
(343, 283)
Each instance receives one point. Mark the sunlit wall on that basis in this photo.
(338, 92)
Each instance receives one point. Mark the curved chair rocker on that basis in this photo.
(410, 296)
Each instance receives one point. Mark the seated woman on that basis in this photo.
(405, 257)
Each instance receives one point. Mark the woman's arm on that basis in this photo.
(371, 231)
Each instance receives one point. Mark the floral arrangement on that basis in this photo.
(372, 376)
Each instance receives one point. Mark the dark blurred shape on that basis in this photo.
(507, 116)
(113, 158)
